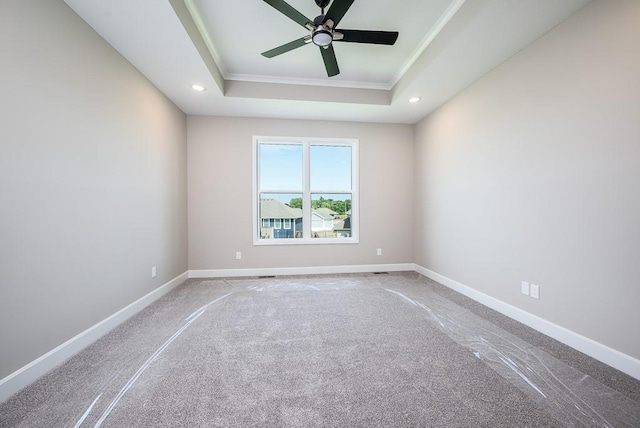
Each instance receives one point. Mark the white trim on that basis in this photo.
(376, 86)
(307, 270)
(37, 368)
(616, 359)
(255, 205)
(311, 241)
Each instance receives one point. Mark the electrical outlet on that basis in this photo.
(535, 291)
(524, 288)
(238, 255)
(154, 272)
(379, 251)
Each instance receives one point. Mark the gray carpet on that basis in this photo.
(334, 351)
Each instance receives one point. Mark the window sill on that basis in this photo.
(302, 241)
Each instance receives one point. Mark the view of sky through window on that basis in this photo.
(330, 168)
(281, 169)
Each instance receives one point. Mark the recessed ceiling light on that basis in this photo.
(414, 100)
(198, 88)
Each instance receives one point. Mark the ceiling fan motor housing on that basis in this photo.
(322, 35)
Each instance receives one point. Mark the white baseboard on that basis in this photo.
(310, 270)
(37, 368)
(600, 352)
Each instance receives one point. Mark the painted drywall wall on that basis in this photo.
(220, 194)
(92, 181)
(533, 173)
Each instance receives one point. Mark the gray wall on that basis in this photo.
(533, 173)
(92, 181)
(220, 194)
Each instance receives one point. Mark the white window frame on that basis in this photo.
(286, 223)
(307, 238)
(277, 224)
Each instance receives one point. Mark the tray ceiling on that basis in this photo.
(444, 45)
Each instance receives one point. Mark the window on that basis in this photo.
(306, 190)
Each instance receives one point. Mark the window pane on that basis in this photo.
(281, 213)
(280, 167)
(330, 167)
(330, 215)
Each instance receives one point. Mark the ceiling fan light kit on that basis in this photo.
(322, 38)
(324, 33)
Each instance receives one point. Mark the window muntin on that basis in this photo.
(313, 182)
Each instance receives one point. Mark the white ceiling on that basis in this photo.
(444, 46)
(239, 46)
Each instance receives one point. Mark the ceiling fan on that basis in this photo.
(324, 32)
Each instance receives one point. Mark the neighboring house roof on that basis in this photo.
(343, 224)
(272, 208)
(325, 212)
